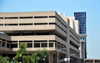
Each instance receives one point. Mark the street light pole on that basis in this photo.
(58, 54)
(35, 57)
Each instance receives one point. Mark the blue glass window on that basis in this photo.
(81, 17)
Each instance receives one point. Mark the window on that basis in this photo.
(25, 17)
(80, 37)
(40, 40)
(40, 16)
(36, 44)
(7, 45)
(40, 23)
(1, 24)
(25, 41)
(3, 44)
(50, 44)
(26, 24)
(1, 17)
(29, 44)
(11, 17)
(43, 44)
(13, 45)
(11, 24)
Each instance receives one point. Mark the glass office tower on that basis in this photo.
(81, 17)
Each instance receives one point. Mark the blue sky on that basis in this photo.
(68, 7)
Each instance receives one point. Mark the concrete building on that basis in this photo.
(78, 24)
(38, 30)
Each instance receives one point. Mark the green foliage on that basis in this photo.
(4, 60)
(25, 58)
(40, 55)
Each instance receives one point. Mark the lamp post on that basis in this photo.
(44, 58)
(21, 58)
(35, 57)
(58, 53)
(13, 60)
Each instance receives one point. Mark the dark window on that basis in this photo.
(52, 41)
(40, 40)
(52, 17)
(3, 44)
(26, 17)
(25, 41)
(11, 24)
(40, 16)
(29, 44)
(26, 24)
(50, 44)
(7, 45)
(28, 34)
(1, 17)
(44, 45)
(13, 45)
(51, 23)
(42, 33)
(40, 23)
(1, 24)
(14, 34)
(36, 44)
(11, 17)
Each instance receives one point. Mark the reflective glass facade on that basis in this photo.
(81, 17)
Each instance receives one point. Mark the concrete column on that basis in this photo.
(48, 43)
(33, 44)
(18, 44)
(6, 44)
(84, 50)
(51, 58)
(80, 49)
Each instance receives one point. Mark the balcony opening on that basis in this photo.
(40, 17)
(43, 44)
(13, 45)
(26, 24)
(51, 44)
(36, 45)
(7, 45)
(3, 44)
(14, 34)
(40, 23)
(42, 33)
(29, 45)
(1, 17)
(25, 17)
(11, 24)
(25, 34)
(11, 17)
(74, 45)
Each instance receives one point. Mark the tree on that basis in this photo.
(23, 55)
(40, 55)
(4, 59)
